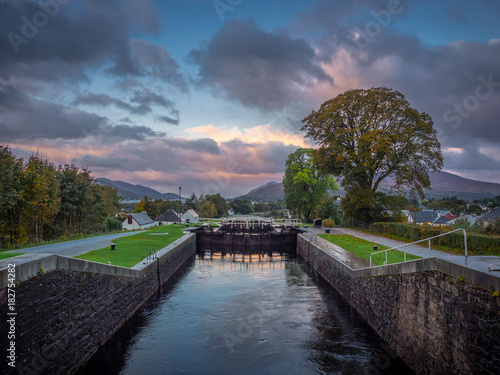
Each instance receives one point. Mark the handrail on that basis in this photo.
(151, 252)
(425, 239)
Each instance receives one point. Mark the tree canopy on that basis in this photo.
(303, 183)
(366, 136)
(39, 202)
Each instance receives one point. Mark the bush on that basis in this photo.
(329, 223)
(112, 224)
(478, 244)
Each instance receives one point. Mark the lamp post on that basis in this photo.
(180, 203)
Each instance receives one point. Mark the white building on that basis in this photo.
(137, 221)
(190, 216)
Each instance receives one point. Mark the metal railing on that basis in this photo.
(151, 256)
(425, 239)
(289, 223)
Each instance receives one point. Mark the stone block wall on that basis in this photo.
(64, 316)
(436, 323)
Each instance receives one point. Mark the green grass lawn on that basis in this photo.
(133, 249)
(363, 248)
(435, 246)
(9, 255)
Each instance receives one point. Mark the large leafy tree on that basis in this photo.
(304, 184)
(41, 201)
(219, 203)
(11, 193)
(366, 136)
(82, 205)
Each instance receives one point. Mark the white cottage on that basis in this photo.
(137, 221)
(190, 216)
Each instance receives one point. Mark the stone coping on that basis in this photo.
(471, 276)
(29, 265)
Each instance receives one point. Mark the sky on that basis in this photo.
(209, 95)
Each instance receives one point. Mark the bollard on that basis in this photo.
(113, 246)
(375, 248)
(327, 231)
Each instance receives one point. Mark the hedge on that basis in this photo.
(478, 244)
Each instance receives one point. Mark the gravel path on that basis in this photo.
(76, 247)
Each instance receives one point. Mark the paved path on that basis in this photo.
(480, 263)
(76, 247)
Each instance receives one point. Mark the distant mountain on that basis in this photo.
(131, 192)
(270, 192)
(270, 183)
(444, 184)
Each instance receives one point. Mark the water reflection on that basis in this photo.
(246, 317)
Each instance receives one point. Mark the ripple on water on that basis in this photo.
(227, 317)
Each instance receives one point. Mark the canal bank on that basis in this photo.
(66, 308)
(439, 317)
(251, 315)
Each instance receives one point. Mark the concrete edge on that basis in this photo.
(36, 264)
(469, 275)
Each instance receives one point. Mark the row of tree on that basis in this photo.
(39, 202)
(210, 206)
(245, 207)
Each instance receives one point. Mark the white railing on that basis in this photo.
(293, 223)
(425, 239)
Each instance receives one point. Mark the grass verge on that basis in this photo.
(133, 249)
(364, 248)
(9, 255)
(435, 246)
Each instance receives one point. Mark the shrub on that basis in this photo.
(112, 223)
(329, 223)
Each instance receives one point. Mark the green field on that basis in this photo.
(133, 249)
(363, 249)
(9, 255)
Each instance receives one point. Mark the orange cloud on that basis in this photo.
(257, 134)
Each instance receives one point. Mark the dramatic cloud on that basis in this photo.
(139, 104)
(106, 83)
(256, 67)
(155, 61)
(458, 84)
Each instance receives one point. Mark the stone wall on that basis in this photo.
(436, 323)
(64, 316)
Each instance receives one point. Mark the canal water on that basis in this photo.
(245, 316)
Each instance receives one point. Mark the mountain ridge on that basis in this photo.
(135, 192)
(443, 184)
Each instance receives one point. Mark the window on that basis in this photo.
(130, 220)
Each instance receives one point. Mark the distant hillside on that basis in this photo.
(135, 192)
(270, 183)
(270, 192)
(443, 185)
